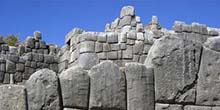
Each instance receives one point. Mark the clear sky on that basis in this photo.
(55, 18)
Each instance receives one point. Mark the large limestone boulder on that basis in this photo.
(75, 87)
(12, 97)
(140, 87)
(208, 88)
(175, 61)
(88, 60)
(43, 91)
(127, 11)
(108, 87)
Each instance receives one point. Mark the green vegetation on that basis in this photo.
(11, 40)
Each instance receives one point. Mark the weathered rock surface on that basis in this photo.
(140, 87)
(43, 91)
(75, 87)
(208, 88)
(213, 43)
(88, 60)
(127, 11)
(160, 106)
(175, 61)
(192, 107)
(12, 97)
(108, 88)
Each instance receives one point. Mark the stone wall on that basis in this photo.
(128, 67)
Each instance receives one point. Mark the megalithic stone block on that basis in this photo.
(43, 91)
(108, 87)
(140, 87)
(75, 87)
(12, 97)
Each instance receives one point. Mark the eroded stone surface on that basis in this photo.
(175, 61)
(160, 106)
(75, 87)
(107, 89)
(12, 97)
(208, 88)
(43, 91)
(140, 87)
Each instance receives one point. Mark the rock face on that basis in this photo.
(42, 91)
(108, 88)
(208, 78)
(12, 97)
(140, 87)
(75, 87)
(175, 62)
(168, 107)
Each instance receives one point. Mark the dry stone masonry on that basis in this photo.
(130, 66)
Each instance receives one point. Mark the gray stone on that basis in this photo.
(123, 46)
(13, 58)
(10, 66)
(126, 20)
(112, 55)
(142, 58)
(127, 54)
(136, 58)
(146, 48)
(75, 87)
(102, 37)
(42, 91)
(37, 35)
(87, 46)
(213, 33)
(186, 28)
(42, 44)
(138, 47)
(107, 87)
(140, 36)
(213, 43)
(13, 97)
(106, 47)
(2, 74)
(193, 107)
(127, 11)
(6, 78)
(199, 28)
(88, 60)
(175, 61)
(139, 27)
(178, 26)
(73, 33)
(102, 56)
(21, 49)
(49, 59)
(112, 37)
(88, 36)
(122, 37)
(17, 77)
(208, 79)
(29, 42)
(13, 50)
(115, 46)
(2, 67)
(132, 35)
(130, 41)
(20, 67)
(154, 20)
(140, 87)
(160, 106)
(98, 47)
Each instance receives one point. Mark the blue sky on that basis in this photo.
(55, 18)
